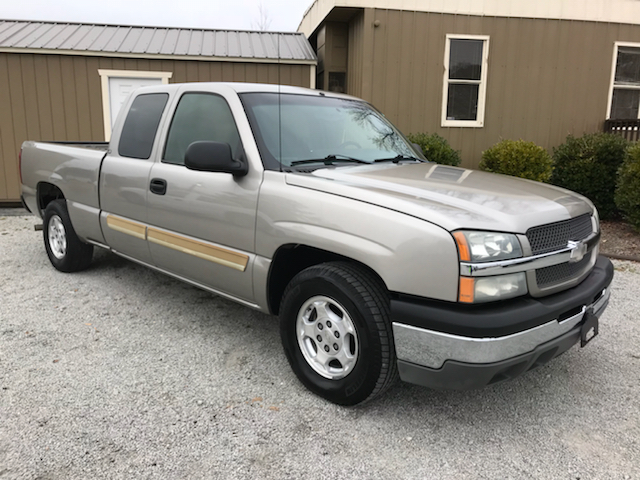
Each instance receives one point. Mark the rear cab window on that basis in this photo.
(141, 125)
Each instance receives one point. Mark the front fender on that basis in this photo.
(411, 256)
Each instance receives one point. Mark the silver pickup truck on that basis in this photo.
(313, 207)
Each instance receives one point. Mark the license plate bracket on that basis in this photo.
(589, 328)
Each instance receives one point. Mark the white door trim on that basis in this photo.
(105, 75)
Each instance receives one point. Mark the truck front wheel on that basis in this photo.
(66, 251)
(336, 332)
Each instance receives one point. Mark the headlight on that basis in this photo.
(479, 247)
(488, 289)
(595, 220)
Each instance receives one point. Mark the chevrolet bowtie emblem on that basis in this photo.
(578, 251)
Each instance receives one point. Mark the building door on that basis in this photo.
(116, 87)
(121, 87)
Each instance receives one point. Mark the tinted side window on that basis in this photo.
(140, 127)
(200, 116)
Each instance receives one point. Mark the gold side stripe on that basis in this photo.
(202, 250)
(128, 227)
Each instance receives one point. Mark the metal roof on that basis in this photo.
(126, 40)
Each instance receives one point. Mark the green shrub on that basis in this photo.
(435, 148)
(589, 165)
(518, 158)
(627, 196)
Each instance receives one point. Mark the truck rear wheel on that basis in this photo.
(336, 332)
(66, 251)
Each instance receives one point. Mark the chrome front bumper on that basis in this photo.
(432, 349)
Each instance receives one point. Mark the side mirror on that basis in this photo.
(417, 148)
(208, 156)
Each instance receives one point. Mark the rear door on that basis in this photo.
(124, 178)
(202, 224)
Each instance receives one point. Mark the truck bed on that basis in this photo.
(104, 146)
(73, 167)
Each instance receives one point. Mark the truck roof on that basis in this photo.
(240, 87)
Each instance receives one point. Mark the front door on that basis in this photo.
(202, 225)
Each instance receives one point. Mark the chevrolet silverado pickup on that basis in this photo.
(312, 206)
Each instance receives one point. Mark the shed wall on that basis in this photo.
(58, 97)
(546, 78)
(355, 55)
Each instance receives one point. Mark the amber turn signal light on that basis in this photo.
(467, 286)
(463, 246)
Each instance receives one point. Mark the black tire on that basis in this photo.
(354, 294)
(66, 251)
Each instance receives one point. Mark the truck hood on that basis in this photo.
(450, 197)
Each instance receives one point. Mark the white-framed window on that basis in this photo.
(464, 87)
(116, 87)
(624, 90)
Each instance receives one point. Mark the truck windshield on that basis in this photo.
(295, 130)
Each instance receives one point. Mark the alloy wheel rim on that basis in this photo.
(327, 337)
(57, 237)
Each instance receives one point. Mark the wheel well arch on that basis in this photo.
(291, 259)
(47, 193)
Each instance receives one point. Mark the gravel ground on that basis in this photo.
(119, 372)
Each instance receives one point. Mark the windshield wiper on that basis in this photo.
(398, 158)
(329, 160)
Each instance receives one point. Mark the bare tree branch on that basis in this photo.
(264, 21)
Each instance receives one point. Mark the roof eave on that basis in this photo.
(150, 56)
(605, 11)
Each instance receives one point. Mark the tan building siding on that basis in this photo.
(332, 52)
(546, 78)
(59, 97)
(355, 55)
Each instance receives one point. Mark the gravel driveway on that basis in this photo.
(119, 372)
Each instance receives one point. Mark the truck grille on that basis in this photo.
(559, 273)
(555, 236)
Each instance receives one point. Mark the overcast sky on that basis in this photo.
(283, 15)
